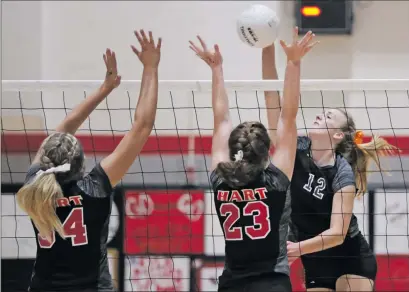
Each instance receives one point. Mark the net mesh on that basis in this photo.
(173, 241)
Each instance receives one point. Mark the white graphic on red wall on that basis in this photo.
(159, 274)
(141, 205)
(163, 222)
(193, 209)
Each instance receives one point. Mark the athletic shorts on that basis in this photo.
(275, 282)
(353, 257)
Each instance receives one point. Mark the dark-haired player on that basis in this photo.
(250, 194)
(70, 212)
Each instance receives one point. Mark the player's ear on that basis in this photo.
(338, 136)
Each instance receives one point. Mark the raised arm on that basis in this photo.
(222, 123)
(286, 140)
(117, 164)
(78, 115)
(272, 98)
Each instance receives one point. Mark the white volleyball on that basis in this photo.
(258, 26)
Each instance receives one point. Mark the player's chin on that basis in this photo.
(317, 130)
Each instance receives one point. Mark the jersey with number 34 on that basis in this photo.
(79, 261)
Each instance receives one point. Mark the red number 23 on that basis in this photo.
(261, 223)
(74, 228)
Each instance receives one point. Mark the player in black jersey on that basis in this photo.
(330, 166)
(70, 212)
(250, 194)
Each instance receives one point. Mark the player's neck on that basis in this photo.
(322, 153)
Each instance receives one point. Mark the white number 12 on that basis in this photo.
(321, 183)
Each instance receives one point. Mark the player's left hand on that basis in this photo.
(293, 251)
(112, 79)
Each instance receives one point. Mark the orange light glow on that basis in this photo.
(311, 11)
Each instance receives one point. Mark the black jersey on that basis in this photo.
(312, 192)
(79, 262)
(254, 220)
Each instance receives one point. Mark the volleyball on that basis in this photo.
(258, 26)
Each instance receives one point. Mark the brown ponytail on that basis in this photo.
(38, 197)
(251, 138)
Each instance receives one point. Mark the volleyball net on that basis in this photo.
(164, 232)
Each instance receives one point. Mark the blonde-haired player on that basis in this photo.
(70, 212)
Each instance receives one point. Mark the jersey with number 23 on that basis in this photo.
(254, 220)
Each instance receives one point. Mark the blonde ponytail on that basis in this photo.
(359, 154)
(38, 199)
(365, 153)
(61, 161)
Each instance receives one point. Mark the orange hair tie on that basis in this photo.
(359, 137)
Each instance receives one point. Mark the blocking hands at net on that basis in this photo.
(330, 170)
(250, 193)
(60, 199)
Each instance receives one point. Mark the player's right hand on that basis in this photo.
(298, 48)
(213, 59)
(149, 54)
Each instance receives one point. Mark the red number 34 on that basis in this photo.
(261, 224)
(74, 228)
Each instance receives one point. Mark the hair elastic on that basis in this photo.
(238, 156)
(359, 137)
(61, 168)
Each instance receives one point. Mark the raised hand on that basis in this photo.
(112, 79)
(149, 54)
(213, 59)
(298, 48)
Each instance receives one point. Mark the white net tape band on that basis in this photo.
(206, 85)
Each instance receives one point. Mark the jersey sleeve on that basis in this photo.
(215, 180)
(276, 178)
(32, 171)
(292, 232)
(344, 176)
(303, 143)
(96, 184)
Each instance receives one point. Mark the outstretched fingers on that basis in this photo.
(202, 43)
(110, 60)
(295, 34)
(306, 39)
(310, 46)
(135, 50)
(104, 56)
(145, 41)
(194, 48)
(159, 43)
(151, 40)
(113, 61)
(144, 38)
(138, 37)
